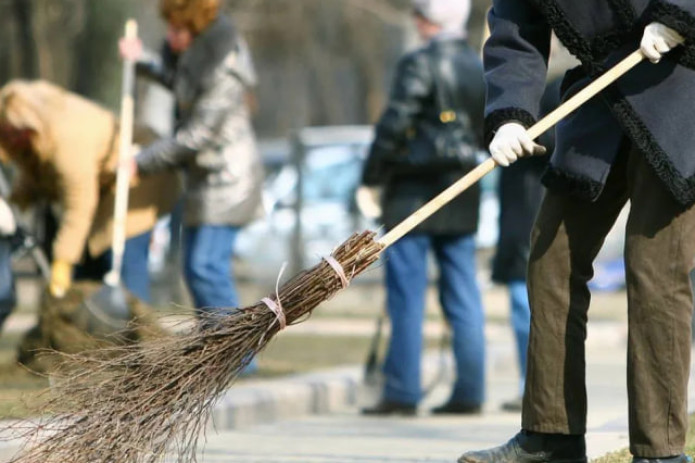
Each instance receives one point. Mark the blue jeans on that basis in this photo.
(459, 295)
(134, 273)
(207, 266)
(521, 323)
(7, 290)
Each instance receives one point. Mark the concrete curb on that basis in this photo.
(268, 401)
(321, 392)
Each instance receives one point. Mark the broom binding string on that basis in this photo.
(339, 270)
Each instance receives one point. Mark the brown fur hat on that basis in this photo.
(194, 14)
(21, 107)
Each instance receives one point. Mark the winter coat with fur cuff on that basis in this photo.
(651, 104)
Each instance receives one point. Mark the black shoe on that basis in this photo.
(531, 447)
(387, 407)
(676, 459)
(457, 408)
(514, 405)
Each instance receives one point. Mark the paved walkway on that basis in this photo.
(346, 437)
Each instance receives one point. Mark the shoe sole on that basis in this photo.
(390, 413)
(581, 460)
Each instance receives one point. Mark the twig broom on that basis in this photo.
(134, 404)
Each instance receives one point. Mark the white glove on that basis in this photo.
(659, 40)
(369, 201)
(512, 142)
(8, 226)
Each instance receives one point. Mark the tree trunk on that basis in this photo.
(23, 14)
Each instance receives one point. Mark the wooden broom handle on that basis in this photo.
(422, 214)
(113, 278)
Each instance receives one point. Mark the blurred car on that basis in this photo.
(313, 176)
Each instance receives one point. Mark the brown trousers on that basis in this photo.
(659, 253)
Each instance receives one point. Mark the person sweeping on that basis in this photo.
(633, 144)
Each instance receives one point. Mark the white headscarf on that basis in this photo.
(451, 15)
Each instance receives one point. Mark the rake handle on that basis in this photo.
(113, 278)
(472, 177)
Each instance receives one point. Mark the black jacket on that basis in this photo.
(652, 104)
(432, 82)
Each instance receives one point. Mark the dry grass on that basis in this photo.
(19, 389)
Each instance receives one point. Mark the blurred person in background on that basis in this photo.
(65, 150)
(8, 228)
(207, 65)
(426, 139)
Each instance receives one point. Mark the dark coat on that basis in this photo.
(652, 104)
(520, 193)
(443, 77)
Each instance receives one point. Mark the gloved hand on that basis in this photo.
(659, 40)
(61, 278)
(511, 142)
(8, 225)
(369, 201)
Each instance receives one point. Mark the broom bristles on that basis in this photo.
(136, 403)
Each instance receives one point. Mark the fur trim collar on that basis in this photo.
(209, 50)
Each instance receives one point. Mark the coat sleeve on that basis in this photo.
(222, 94)
(676, 14)
(79, 194)
(516, 63)
(412, 85)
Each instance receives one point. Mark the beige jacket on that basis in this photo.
(72, 162)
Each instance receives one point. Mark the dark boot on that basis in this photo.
(457, 408)
(514, 405)
(676, 459)
(387, 407)
(531, 447)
